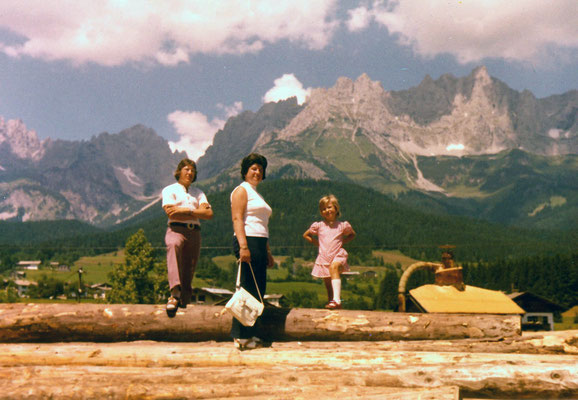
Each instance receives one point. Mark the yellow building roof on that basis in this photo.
(472, 300)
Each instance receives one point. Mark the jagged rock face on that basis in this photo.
(100, 181)
(18, 140)
(242, 134)
(368, 135)
(348, 105)
(476, 125)
(473, 115)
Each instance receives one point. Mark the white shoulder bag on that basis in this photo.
(243, 305)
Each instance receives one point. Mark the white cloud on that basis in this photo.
(231, 111)
(196, 131)
(359, 19)
(287, 86)
(115, 32)
(526, 30)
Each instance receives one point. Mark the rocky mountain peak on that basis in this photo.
(362, 87)
(101, 181)
(344, 85)
(22, 142)
(481, 74)
(357, 104)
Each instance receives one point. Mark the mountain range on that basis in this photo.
(101, 181)
(467, 146)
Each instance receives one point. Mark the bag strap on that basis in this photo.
(238, 286)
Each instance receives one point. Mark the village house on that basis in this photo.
(56, 266)
(469, 300)
(370, 274)
(219, 296)
(18, 274)
(99, 290)
(30, 265)
(210, 296)
(539, 314)
(23, 286)
(274, 299)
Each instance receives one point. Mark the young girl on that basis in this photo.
(331, 260)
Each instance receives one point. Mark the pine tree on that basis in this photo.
(386, 299)
(133, 281)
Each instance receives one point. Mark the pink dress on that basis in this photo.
(330, 246)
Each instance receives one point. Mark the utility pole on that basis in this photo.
(80, 272)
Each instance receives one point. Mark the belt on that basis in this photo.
(189, 225)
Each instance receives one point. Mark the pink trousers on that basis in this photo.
(183, 250)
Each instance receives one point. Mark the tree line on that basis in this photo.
(142, 279)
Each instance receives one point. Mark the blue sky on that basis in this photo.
(72, 69)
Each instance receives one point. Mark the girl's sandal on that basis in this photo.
(333, 305)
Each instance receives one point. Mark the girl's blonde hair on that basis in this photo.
(329, 199)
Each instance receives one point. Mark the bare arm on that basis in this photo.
(184, 213)
(350, 237)
(310, 237)
(238, 207)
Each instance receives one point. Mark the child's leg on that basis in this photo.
(335, 270)
(329, 288)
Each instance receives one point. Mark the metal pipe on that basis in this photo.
(405, 276)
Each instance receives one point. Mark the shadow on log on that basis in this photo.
(117, 322)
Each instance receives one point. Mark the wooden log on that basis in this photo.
(117, 322)
(196, 383)
(290, 370)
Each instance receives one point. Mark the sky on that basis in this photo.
(73, 69)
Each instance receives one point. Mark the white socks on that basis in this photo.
(336, 284)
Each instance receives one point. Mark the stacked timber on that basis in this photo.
(123, 351)
(117, 322)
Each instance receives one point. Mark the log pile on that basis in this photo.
(116, 322)
(539, 365)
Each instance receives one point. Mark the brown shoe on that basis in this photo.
(172, 307)
(172, 304)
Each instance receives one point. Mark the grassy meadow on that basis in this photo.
(277, 274)
(97, 268)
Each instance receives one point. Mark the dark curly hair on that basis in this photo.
(251, 159)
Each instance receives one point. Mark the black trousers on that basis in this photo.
(259, 260)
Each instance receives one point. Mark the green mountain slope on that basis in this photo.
(380, 222)
(40, 231)
(512, 187)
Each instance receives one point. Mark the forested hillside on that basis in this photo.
(380, 222)
(553, 277)
(40, 231)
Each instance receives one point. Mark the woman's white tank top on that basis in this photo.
(257, 212)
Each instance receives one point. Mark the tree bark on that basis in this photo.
(287, 370)
(486, 358)
(116, 322)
